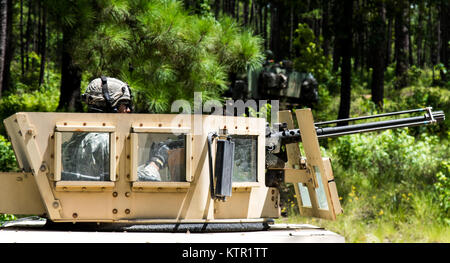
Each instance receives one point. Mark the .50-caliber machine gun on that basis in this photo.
(311, 175)
(281, 135)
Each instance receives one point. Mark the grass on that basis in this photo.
(386, 227)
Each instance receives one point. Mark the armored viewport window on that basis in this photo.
(245, 158)
(85, 156)
(161, 157)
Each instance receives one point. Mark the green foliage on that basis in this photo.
(310, 54)
(442, 189)
(43, 100)
(7, 158)
(392, 172)
(389, 182)
(7, 217)
(165, 53)
(413, 97)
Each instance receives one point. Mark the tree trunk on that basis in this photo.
(388, 43)
(346, 48)
(377, 52)
(69, 99)
(232, 8)
(326, 27)
(291, 29)
(42, 44)
(419, 35)
(5, 43)
(28, 36)
(216, 8)
(245, 12)
(401, 43)
(445, 37)
(22, 56)
(358, 38)
(265, 28)
(336, 10)
(410, 45)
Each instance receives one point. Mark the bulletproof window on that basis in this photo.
(312, 175)
(161, 157)
(245, 158)
(85, 156)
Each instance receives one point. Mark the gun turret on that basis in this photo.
(280, 135)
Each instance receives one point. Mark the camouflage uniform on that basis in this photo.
(86, 156)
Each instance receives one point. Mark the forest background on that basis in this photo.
(369, 56)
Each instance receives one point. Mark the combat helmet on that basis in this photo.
(105, 94)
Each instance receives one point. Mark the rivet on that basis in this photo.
(84, 123)
(114, 194)
(83, 188)
(55, 204)
(104, 124)
(140, 124)
(127, 211)
(127, 194)
(74, 215)
(179, 125)
(65, 123)
(159, 125)
(114, 211)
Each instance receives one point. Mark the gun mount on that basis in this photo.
(184, 188)
(275, 138)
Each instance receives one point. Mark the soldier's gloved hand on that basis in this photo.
(159, 154)
(149, 172)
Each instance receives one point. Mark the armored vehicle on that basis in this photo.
(278, 81)
(212, 169)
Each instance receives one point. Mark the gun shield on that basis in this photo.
(224, 167)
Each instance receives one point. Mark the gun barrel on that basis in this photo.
(293, 135)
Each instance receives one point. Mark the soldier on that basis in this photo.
(85, 156)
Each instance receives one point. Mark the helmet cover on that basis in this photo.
(117, 89)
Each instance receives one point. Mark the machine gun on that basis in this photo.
(280, 135)
(312, 175)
